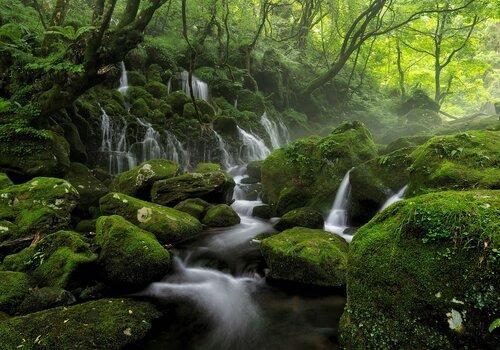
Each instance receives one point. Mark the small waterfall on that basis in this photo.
(123, 79)
(200, 88)
(150, 146)
(175, 151)
(253, 146)
(285, 134)
(394, 198)
(337, 219)
(169, 86)
(227, 159)
(277, 131)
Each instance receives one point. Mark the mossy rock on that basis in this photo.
(303, 217)
(157, 89)
(254, 169)
(87, 185)
(26, 153)
(423, 274)
(461, 161)
(418, 100)
(263, 211)
(221, 215)
(46, 298)
(290, 198)
(250, 101)
(421, 116)
(167, 224)
(86, 226)
(249, 180)
(129, 257)
(60, 259)
(226, 125)
(137, 182)
(14, 287)
(214, 187)
(405, 142)
(314, 167)
(205, 110)
(177, 100)
(40, 206)
(207, 168)
(154, 73)
(140, 108)
(5, 181)
(195, 207)
(101, 324)
(307, 256)
(136, 78)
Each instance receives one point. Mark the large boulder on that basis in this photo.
(101, 324)
(314, 167)
(14, 288)
(307, 256)
(5, 181)
(129, 256)
(460, 161)
(42, 205)
(26, 153)
(61, 259)
(45, 298)
(423, 274)
(303, 217)
(195, 207)
(137, 182)
(167, 224)
(221, 215)
(88, 186)
(254, 169)
(214, 187)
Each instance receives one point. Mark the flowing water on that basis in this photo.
(123, 79)
(394, 198)
(253, 147)
(277, 131)
(227, 160)
(336, 221)
(199, 87)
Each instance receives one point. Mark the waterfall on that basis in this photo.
(277, 131)
(394, 198)
(285, 134)
(175, 151)
(123, 79)
(169, 86)
(226, 159)
(200, 88)
(254, 147)
(337, 219)
(150, 146)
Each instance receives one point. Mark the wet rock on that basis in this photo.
(14, 287)
(221, 215)
(254, 169)
(207, 168)
(263, 211)
(303, 217)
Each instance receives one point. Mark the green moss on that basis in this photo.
(101, 324)
(86, 226)
(87, 185)
(226, 126)
(306, 256)
(250, 101)
(130, 257)
(13, 289)
(157, 89)
(4, 181)
(45, 298)
(57, 260)
(177, 100)
(303, 217)
(221, 215)
(405, 142)
(419, 261)
(195, 207)
(263, 211)
(254, 169)
(137, 182)
(167, 224)
(207, 168)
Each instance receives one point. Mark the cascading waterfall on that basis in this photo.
(123, 79)
(394, 198)
(227, 159)
(285, 134)
(337, 219)
(277, 131)
(150, 146)
(175, 151)
(200, 88)
(253, 146)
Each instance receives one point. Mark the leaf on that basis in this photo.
(494, 325)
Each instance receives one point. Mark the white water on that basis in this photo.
(200, 88)
(394, 198)
(175, 151)
(227, 159)
(277, 131)
(337, 219)
(123, 79)
(253, 146)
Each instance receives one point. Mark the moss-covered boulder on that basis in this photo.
(250, 101)
(303, 217)
(254, 169)
(88, 186)
(101, 324)
(207, 167)
(137, 182)
(214, 187)
(307, 256)
(205, 111)
(5, 181)
(14, 287)
(195, 207)
(226, 125)
(177, 100)
(426, 117)
(405, 142)
(460, 161)
(61, 259)
(221, 215)
(167, 224)
(314, 167)
(129, 257)
(27, 152)
(263, 211)
(45, 298)
(423, 274)
(157, 89)
(290, 198)
(39, 206)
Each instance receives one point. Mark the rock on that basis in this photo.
(177, 100)
(5, 181)
(249, 180)
(60, 259)
(14, 288)
(254, 169)
(167, 224)
(303, 217)
(214, 187)
(205, 110)
(46, 298)
(424, 274)
(157, 89)
(419, 99)
(129, 257)
(101, 324)
(87, 185)
(405, 142)
(312, 168)
(26, 153)
(137, 182)
(207, 167)
(262, 211)
(424, 117)
(306, 255)
(250, 101)
(86, 226)
(226, 125)
(195, 207)
(221, 215)
(461, 161)
(40, 206)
